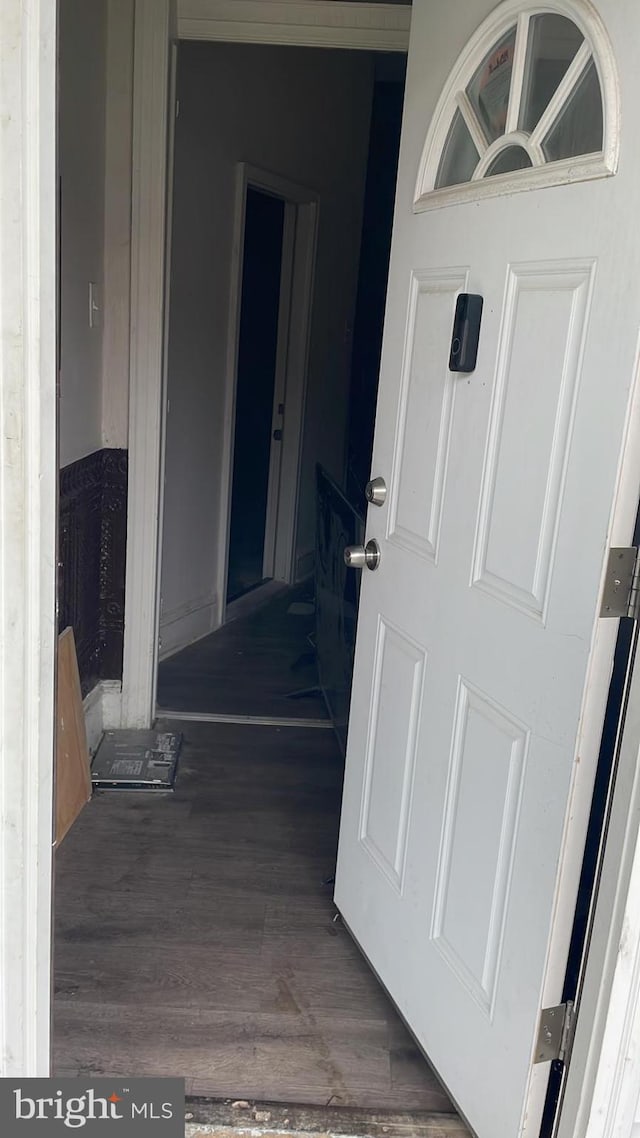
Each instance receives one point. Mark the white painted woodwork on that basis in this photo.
(481, 665)
(305, 23)
(274, 480)
(187, 623)
(149, 195)
(290, 386)
(102, 710)
(604, 1103)
(28, 487)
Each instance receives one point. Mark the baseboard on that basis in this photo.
(253, 600)
(185, 625)
(102, 710)
(305, 565)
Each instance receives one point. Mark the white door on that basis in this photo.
(476, 633)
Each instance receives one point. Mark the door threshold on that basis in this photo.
(213, 1118)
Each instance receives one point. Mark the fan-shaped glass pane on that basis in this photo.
(513, 158)
(552, 49)
(459, 157)
(553, 44)
(579, 129)
(490, 87)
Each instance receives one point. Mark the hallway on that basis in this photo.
(251, 665)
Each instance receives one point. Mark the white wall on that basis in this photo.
(304, 114)
(82, 54)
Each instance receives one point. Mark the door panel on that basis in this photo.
(425, 419)
(523, 475)
(397, 693)
(475, 639)
(474, 868)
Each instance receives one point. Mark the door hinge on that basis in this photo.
(555, 1033)
(621, 593)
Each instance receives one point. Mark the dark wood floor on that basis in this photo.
(195, 937)
(249, 666)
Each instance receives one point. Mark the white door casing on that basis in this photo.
(294, 325)
(273, 515)
(28, 488)
(153, 29)
(480, 681)
(302, 208)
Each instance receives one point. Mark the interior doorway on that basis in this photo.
(270, 314)
(229, 751)
(294, 391)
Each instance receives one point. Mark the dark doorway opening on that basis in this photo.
(257, 350)
(379, 198)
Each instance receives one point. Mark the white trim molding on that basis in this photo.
(302, 206)
(102, 711)
(187, 623)
(28, 480)
(303, 23)
(151, 87)
(605, 1100)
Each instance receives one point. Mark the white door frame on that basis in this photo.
(303, 23)
(28, 525)
(320, 23)
(28, 476)
(294, 326)
(603, 1081)
(601, 1097)
(153, 27)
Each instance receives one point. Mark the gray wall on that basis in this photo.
(304, 114)
(95, 115)
(82, 47)
(117, 224)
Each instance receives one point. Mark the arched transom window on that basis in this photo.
(532, 101)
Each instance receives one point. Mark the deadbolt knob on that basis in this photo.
(376, 491)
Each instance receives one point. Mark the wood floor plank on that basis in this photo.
(195, 935)
(236, 1055)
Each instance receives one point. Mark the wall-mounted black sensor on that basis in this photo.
(466, 332)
